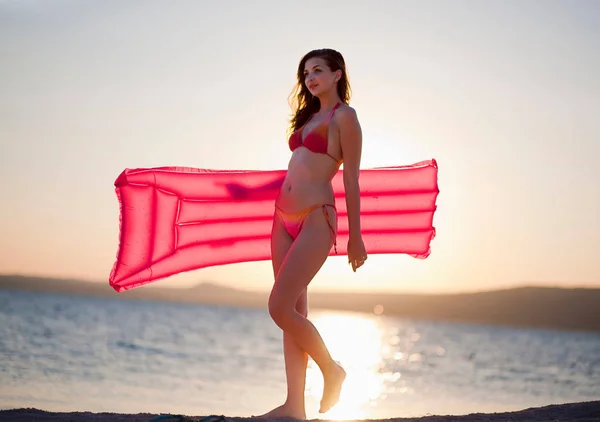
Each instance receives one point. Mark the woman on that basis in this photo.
(325, 133)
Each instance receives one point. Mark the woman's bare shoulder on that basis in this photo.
(345, 115)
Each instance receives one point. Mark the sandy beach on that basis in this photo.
(584, 411)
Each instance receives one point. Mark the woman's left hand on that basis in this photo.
(357, 255)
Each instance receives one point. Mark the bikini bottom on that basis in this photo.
(293, 221)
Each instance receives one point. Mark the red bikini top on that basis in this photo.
(317, 140)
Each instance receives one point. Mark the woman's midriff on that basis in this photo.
(297, 196)
(307, 183)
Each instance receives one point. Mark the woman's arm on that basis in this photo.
(351, 143)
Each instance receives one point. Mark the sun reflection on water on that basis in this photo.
(358, 342)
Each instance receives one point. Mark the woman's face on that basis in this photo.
(318, 77)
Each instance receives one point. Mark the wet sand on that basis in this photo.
(585, 411)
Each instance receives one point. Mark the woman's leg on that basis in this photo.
(296, 359)
(301, 263)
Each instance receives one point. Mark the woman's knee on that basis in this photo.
(280, 313)
(283, 312)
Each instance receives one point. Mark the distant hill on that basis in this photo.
(539, 307)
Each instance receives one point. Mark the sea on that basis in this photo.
(71, 353)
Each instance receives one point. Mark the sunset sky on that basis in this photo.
(505, 95)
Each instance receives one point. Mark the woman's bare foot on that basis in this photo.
(332, 387)
(284, 411)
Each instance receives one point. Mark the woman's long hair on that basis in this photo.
(302, 102)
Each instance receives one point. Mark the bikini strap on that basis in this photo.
(335, 107)
(333, 234)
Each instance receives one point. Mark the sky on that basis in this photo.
(505, 95)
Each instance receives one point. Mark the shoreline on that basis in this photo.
(579, 411)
